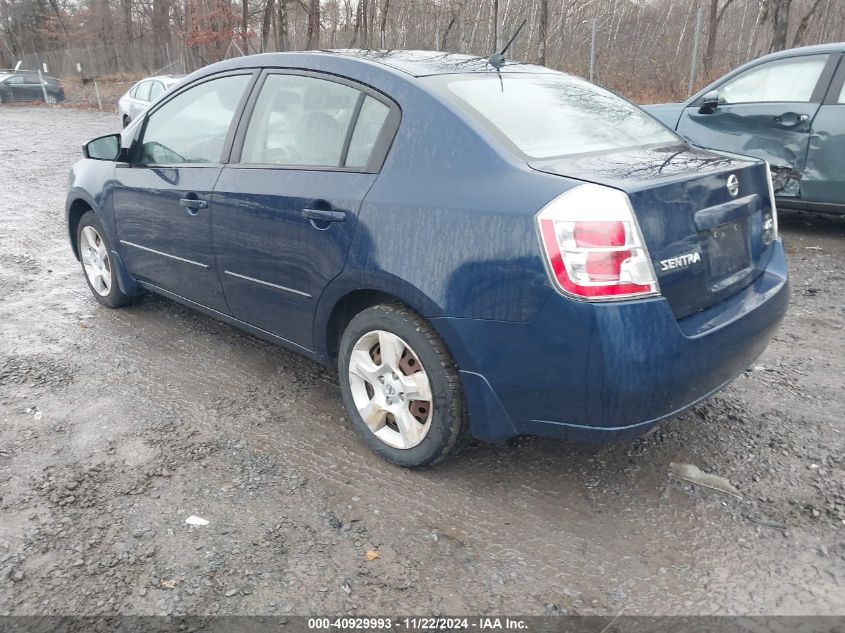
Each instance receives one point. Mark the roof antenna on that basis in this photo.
(497, 60)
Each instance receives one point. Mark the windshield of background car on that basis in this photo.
(551, 115)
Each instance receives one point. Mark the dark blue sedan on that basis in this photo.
(484, 251)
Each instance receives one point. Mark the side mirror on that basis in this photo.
(103, 148)
(709, 102)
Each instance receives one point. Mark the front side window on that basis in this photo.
(552, 115)
(299, 121)
(778, 81)
(192, 127)
(142, 93)
(14, 81)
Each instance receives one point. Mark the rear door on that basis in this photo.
(286, 206)
(162, 199)
(766, 112)
(824, 174)
(141, 99)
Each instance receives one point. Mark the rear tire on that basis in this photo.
(395, 371)
(97, 261)
(126, 121)
(51, 99)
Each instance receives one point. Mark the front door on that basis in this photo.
(286, 207)
(765, 112)
(824, 175)
(162, 199)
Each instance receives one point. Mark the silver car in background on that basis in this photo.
(142, 94)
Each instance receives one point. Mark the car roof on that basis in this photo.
(420, 63)
(414, 63)
(834, 47)
(166, 79)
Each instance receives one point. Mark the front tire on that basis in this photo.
(400, 387)
(95, 255)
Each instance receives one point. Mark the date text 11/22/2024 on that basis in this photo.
(416, 623)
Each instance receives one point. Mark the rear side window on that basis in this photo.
(192, 127)
(782, 80)
(142, 92)
(156, 90)
(367, 129)
(551, 115)
(841, 95)
(299, 121)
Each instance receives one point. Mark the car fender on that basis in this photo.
(100, 203)
(376, 281)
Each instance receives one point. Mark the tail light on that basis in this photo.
(593, 246)
(770, 220)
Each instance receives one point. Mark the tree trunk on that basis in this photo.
(265, 24)
(494, 46)
(161, 30)
(127, 33)
(357, 29)
(712, 33)
(779, 10)
(801, 32)
(383, 29)
(542, 30)
(244, 26)
(313, 32)
(283, 43)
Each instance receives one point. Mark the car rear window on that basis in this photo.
(551, 115)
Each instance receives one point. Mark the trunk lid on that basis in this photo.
(706, 243)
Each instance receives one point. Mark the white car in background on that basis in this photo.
(142, 94)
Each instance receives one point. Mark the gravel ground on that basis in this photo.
(117, 425)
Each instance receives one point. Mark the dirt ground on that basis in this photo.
(118, 425)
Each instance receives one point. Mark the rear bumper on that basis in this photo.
(598, 372)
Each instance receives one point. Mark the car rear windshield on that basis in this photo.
(552, 115)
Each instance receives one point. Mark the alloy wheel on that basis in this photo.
(95, 260)
(391, 389)
(50, 100)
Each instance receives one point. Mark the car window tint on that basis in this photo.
(781, 80)
(299, 121)
(550, 115)
(143, 91)
(367, 127)
(156, 90)
(16, 80)
(192, 127)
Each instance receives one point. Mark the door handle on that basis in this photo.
(193, 203)
(321, 215)
(791, 119)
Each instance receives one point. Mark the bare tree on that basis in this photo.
(542, 29)
(313, 40)
(714, 18)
